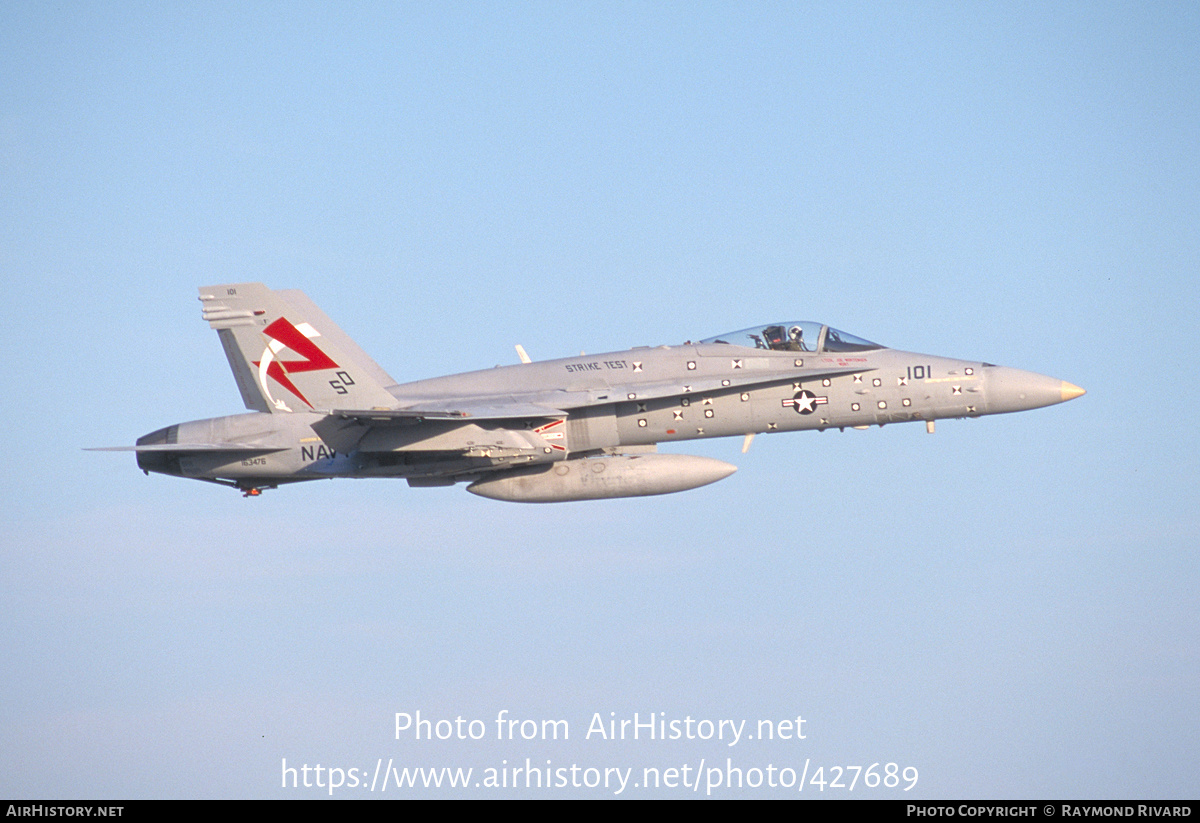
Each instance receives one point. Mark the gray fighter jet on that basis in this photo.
(580, 428)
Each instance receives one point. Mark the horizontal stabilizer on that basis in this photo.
(193, 447)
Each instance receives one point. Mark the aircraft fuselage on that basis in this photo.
(872, 388)
(577, 428)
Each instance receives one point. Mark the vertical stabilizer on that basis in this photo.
(287, 356)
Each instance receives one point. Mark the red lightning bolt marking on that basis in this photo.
(315, 359)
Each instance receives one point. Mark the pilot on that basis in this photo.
(796, 339)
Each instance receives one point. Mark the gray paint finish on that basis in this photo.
(321, 407)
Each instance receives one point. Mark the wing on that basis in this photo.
(493, 427)
(466, 409)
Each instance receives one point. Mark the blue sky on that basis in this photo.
(1007, 606)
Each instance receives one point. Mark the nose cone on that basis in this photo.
(1010, 390)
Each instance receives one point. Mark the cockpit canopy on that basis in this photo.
(795, 335)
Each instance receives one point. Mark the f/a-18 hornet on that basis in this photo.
(580, 428)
